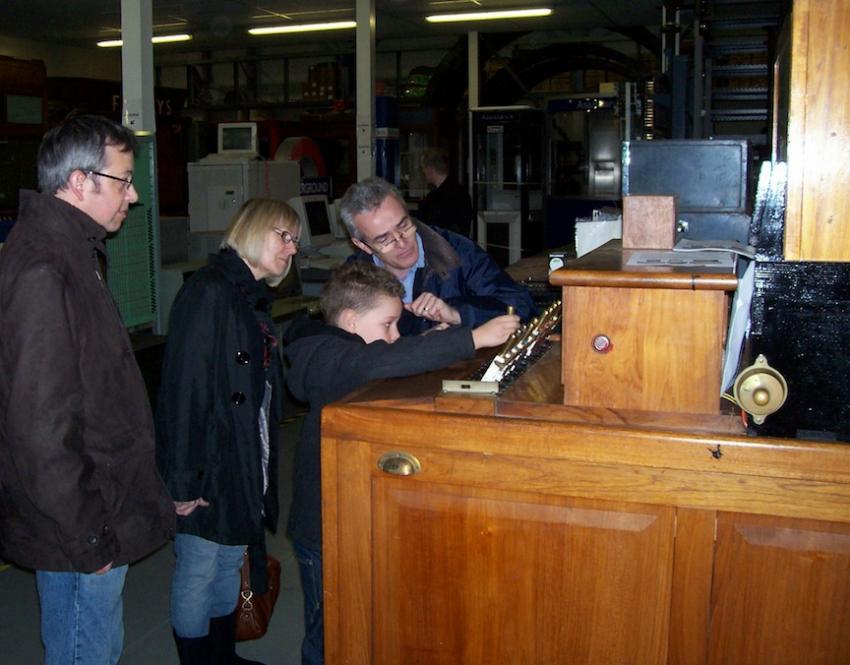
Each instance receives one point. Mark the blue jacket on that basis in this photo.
(462, 274)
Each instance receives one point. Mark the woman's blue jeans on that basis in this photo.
(82, 616)
(205, 583)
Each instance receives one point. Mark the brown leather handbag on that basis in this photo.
(254, 612)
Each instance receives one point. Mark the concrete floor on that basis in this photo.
(148, 638)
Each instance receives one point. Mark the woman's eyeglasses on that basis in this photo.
(385, 241)
(287, 238)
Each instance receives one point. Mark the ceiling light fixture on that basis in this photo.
(159, 39)
(303, 27)
(489, 16)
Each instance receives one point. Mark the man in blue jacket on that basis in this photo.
(447, 279)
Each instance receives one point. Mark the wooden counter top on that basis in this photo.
(608, 266)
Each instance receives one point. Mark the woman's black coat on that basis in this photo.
(213, 378)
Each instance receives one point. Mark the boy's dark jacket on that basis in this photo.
(325, 364)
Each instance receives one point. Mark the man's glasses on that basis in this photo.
(287, 238)
(128, 182)
(385, 241)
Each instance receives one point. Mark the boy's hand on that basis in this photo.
(430, 307)
(495, 331)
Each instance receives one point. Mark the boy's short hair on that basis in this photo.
(357, 285)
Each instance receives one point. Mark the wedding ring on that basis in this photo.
(424, 309)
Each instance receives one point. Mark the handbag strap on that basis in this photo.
(245, 592)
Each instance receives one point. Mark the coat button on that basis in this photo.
(242, 357)
(105, 529)
(238, 398)
(92, 540)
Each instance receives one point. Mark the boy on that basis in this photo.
(359, 342)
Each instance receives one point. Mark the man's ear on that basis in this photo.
(76, 182)
(361, 245)
(74, 189)
(348, 320)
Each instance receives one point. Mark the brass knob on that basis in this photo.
(399, 464)
(761, 396)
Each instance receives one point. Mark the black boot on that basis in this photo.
(193, 650)
(223, 639)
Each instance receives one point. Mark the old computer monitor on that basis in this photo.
(24, 109)
(237, 139)
(318, 226)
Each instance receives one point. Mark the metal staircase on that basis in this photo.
(738, 49)
(729, 45)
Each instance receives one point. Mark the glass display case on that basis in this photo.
(508, 152)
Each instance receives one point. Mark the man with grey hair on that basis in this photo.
(80, 497)
(447, 204)
(447, 279)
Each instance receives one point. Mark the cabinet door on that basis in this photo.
(781, 592)
(467, 574)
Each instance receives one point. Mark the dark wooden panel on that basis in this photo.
(781, 592)
(588, 582)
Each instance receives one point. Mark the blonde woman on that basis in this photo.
(217, 426)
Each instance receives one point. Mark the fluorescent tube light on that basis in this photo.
(489, 16)
(167, 39)
(303, 27)
(159, 39)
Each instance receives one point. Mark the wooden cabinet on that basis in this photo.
(527, 536)
(817, 227)
(643, 338)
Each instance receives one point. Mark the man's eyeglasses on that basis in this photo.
(128, 182)
(385, 241)
(287, 238)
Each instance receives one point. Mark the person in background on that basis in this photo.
(217, 426)
(80, 497)
(447, 278)
(358, 342)
(447, 205)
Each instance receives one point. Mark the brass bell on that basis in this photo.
(760, 390)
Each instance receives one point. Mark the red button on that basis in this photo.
(602, 344)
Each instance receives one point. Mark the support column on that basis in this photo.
(137, 66)
(365, 106)
(473, 83)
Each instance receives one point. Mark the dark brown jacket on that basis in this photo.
(78, 482)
